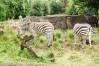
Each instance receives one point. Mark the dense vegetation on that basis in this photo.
(14, 8)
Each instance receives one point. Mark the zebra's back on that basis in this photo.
(42, 27)
(82, 29)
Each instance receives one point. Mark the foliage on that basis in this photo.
(15, 8)
(27, 6)
(82, 7)
(56, 7)
(93, 4)
(3, 11)
(71, 9)
(39, 8)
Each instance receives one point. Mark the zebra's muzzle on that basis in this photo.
(87, 41)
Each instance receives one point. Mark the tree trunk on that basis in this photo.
(24, 44)
(97, 14)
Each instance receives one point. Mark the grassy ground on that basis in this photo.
(61, 54)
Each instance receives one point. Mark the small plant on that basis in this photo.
(56, 6)
(39, 8)
(58, 38)
(68, 34)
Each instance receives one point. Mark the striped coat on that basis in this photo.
(46, 28)
(83, 32)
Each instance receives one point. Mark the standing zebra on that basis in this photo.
(83, 32)
(42, 27)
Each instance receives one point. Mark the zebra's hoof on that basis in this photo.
(49, 46)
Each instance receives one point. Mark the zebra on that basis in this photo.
(46, 28)
(83, 31)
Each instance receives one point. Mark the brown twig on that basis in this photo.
(24, 44)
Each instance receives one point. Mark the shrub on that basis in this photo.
(71, 11)
(15, 8)
(56, 7)
(3, 11)
(39, 8)
(71, 8)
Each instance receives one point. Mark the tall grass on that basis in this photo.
(59, 55)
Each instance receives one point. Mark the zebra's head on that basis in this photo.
(24, 28)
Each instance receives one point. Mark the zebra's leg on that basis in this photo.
(84, 42)
(33, 33)
(50, 38)
(89, 37)
(75, 40)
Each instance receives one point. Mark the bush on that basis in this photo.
(14, 7)
(27, 6)
(3, 11)
(56, 7)
(71, 11)
(58, 38)
(39, 8)
(74, 7)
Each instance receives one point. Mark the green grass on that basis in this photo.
(61, 54)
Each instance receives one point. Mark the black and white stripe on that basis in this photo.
(83, 32)
(46, 28)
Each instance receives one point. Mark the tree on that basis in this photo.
(3, 11)
(15, 8)
(89, 3)
(57, 7)
(39, 8)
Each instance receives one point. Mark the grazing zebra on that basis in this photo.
(83, 32)
(46, 28)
